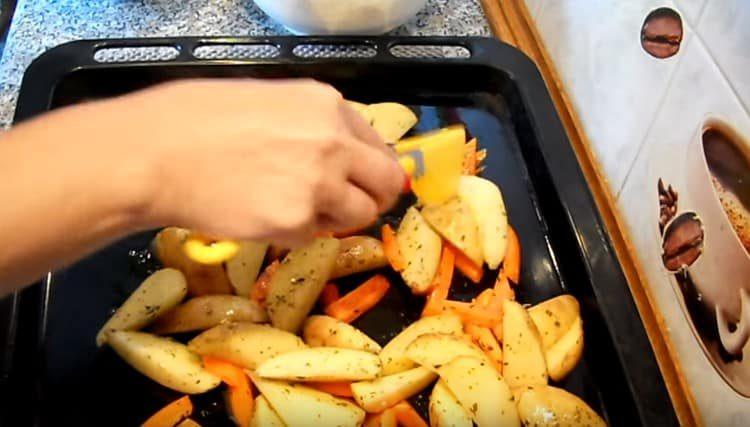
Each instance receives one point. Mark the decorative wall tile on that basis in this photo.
(615, 86)
(724, 27)
(697, 91)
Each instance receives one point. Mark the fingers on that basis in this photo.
(377, 174)
(346, 209)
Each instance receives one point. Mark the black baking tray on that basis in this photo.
(52, 371)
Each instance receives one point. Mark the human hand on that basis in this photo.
(251, 159)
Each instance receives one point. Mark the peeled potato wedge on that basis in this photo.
(358, 254)
(481, 391)
(435, 350)
(244, 344)
(167, 362)
(393, 354)
(390, 120)
(201, 279)
(487, 207)
(298, 405)
(384, 392)
(158, 293)
(205, 312)
(297, 283)
(264, 415)
(554, 317)
(523, 355)
(444, 409)
(545, 405)
(326, 331)
(420, 248)
(564, 355)
(243, 268)
(321, 364)
(454, 221)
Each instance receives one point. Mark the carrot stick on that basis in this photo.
(232, 375)
(502, 289)
(352, 305)
(386, 418)
(391, 249)
(470, 158)
(341, 389)
(171, 414)
(442, 283)
(407, 416)
(468, 268)
(471, 313)
(259, 290)
(484, 338)
(329, 294)
(240, 403)
(512, 262)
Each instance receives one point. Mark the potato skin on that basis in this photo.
(546, 405)
(207, 311)
(358, 254)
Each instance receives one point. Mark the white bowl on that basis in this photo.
(346, 17)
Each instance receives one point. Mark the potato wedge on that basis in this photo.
(158, 293)
(384, 392)
(298, 405)
(420, 248)
(390, 120)
(243, 268)
(205, 312)
(358, 254)
(167, 362)
(393, 354)
(264, 415)
(524, 363)
(444, 409)
(244, 344)
(481, 391)
(326, 331)
(487, 207)
(454, 221)
(554, 317)
(297, 283)
(321, 364)
(201, 279)
(564, 355)
(545, 405)
(435, 350)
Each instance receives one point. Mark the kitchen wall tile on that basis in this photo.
(698, 90)
(533, 7)
(690, 9)
(724, 27)
(615, 86)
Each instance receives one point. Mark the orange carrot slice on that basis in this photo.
(468, 268)
(171, 414)
(341, 389)
(240, 404)
(407, 416)
(391, 249)
(471, 313)
(512, 262)
(484, 338)
(442, 283)
(502, 289)
(357, 302)
(260, 287)
(329, 294)
(232, 375)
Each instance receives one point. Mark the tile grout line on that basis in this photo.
(718, 66)
(642, 144)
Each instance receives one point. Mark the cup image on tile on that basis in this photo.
(705, 246)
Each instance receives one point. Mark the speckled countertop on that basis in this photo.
(39, 25)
